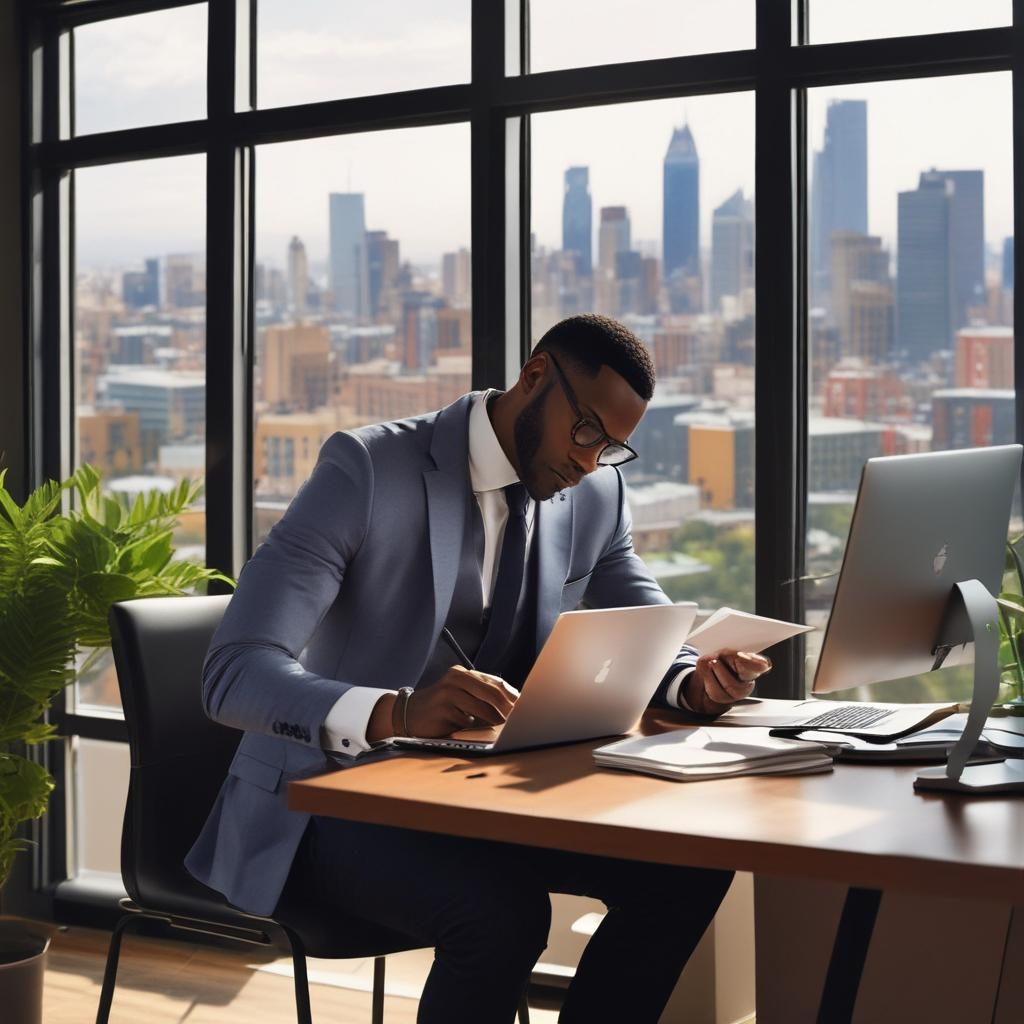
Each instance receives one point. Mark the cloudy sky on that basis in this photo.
(151, 68)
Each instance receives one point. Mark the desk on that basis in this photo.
(861, 825)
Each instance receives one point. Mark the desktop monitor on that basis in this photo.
(921, 524)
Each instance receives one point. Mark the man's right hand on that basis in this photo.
(460, 699)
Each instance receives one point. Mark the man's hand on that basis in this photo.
(460, 699)
(720, 680)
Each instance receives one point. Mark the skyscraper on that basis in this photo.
(1008, 264)
(862, 297)
(298, 276)
(578, 219)
(349, 267)
(732, 248)
(383, 259)
(681, 206)
(967, 242)
(839, 187)
(924, 308)
(613, 237)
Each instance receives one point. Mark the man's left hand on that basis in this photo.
(719, 680)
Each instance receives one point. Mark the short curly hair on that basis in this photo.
(591, 341)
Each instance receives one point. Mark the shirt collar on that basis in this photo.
(489, 468)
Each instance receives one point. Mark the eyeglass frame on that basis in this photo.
(608, 441)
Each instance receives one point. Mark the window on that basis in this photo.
(911, 341)
(658, 232)
(363, 288)
(406, 196)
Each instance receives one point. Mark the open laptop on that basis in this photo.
(594, 677)
(921, 524)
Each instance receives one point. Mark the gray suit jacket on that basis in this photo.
(352, 588)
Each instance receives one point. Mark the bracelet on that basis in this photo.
(404, 694)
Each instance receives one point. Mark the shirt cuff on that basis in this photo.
(344, 728)
(674, 694)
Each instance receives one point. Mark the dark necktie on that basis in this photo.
(508, 584)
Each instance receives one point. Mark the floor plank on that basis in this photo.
(161, 981)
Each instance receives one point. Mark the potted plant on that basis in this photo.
(1011, 631)
(60, 570)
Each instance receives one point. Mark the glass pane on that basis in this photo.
(309, 50)
(362, 292)
(581, 33)
(658, 232)
(141, 70)
(837, 21)
(140, 339)
(100, 773)
(911, 330)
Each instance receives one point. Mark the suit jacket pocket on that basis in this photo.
(258, 773)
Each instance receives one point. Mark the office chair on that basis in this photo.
(159, 645)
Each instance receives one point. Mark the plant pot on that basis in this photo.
(23, 947)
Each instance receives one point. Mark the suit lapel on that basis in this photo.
(554, 536)
(447, 494)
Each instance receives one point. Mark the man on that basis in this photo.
(478, 524)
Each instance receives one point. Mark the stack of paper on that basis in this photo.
(709, 752)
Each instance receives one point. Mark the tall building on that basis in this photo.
(839, 187)
(349, 274)
(924, 273)
(732, 249)
(298, 276)
(383, 264)
(613, 237)
(578, 218)
(862, 298)
(1008, 264)
(972, 417)
(456, 279)
(680, 212)
(140, 289)
(967, 242)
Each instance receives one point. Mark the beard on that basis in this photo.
(528, 435)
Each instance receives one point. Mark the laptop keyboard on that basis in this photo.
(849, 716)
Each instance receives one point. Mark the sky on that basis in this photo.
(151, 68)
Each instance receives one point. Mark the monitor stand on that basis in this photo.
(972, 614)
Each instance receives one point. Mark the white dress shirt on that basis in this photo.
(344, 729)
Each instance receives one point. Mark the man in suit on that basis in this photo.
(480, 522)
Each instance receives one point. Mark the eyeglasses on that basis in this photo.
(588, 434)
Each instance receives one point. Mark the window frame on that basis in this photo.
(496, 105)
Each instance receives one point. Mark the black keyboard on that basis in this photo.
(848, 717)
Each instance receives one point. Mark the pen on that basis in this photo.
(465, 660)
(454, 645)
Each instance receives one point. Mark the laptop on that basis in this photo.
(921, 524)
(594, 677)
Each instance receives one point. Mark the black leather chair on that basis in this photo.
(179, 758)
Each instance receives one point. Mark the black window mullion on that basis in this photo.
(227, 426)
(780, 370)
(488, 195)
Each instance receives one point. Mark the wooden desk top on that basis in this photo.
(860, 824)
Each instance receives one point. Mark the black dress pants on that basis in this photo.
(484, 908)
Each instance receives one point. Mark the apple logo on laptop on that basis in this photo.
(602, 673)
(939, 561)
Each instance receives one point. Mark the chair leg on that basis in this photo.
(524, 1007)
(377, 1006)
(303, 1012)
(110, 971)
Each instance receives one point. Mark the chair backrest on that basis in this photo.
(179, 757)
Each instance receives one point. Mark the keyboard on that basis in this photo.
(848, 717)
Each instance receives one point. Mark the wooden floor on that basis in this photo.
(169, 982)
